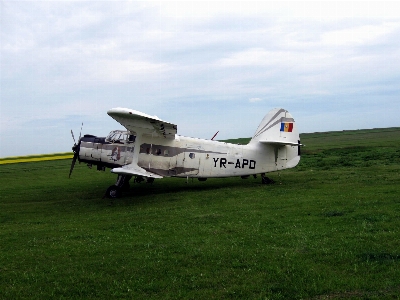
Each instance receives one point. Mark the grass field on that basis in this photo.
(328, 229)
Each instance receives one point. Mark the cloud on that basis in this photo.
(67, 62)
(359, 35)
(128, 70)
(254, 100)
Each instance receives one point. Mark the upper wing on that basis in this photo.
(136, 121)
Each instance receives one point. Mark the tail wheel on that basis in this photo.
(266, 180)
(113, 192)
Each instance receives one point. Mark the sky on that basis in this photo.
(204, 66)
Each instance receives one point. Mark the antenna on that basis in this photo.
(214, 135)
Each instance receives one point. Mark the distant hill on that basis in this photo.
(347, 137)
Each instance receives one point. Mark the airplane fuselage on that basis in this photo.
(187, 157)
(150, 149)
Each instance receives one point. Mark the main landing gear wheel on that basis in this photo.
(122, 183)
(113, 192)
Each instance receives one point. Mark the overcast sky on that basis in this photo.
(205, 66)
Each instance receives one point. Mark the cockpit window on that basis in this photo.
(119, 136)
(131, 138)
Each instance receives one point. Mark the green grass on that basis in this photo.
(328, 229)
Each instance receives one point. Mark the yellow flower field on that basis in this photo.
(25, 159)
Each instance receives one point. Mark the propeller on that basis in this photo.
(75, 149)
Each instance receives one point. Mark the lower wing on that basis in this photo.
(134, 170)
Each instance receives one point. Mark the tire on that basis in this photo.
(113, 192)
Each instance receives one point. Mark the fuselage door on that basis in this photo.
(188, 162)
(130, 147)
(280, 157)
(235, 156)
(192, 162)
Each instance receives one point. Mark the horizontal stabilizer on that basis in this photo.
(280, 143)
(134, 170)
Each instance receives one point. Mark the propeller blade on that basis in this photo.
(75, 149)
(80, 133)
(72, 165)
(73, 137)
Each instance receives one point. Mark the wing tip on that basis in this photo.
(128, 111)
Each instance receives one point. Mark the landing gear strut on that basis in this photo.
(115, 191)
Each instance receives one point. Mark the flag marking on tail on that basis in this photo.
(286, 127)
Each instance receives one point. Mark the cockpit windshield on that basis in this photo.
(119, 136)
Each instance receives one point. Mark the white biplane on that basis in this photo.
(150, 148)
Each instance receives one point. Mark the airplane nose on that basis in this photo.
(75, 149)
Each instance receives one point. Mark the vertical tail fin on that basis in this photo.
(277, 127)
(278, 132)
